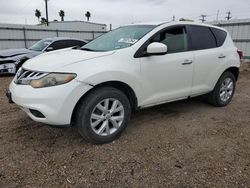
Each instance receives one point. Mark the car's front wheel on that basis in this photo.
(224, 90)
(102, 115)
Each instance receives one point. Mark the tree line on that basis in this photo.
(61, 14)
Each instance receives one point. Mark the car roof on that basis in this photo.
(62, 38)
(172, 23)
(196, 24)
(148, 23)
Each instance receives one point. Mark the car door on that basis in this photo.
(168, 77)
(209, 61)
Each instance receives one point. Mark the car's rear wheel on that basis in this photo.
(224, 90)
(102, 115)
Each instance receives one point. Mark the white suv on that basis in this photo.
(136, 66)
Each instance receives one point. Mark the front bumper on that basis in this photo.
(51, 105)
(8, 68)
(8, 95)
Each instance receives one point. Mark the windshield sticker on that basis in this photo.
(117, 47)
(47, 42)
(128, 40)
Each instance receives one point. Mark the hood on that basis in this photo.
(13, 52)
(52, 61)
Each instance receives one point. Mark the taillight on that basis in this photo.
(240, 54)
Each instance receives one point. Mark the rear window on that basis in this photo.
(220, 36)
(202, 38)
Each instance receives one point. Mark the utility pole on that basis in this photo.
(203, 18)
(228, 17)
(173, 18)
(46, 8)
(217, 16)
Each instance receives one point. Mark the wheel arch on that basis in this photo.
(125, 88)
(234, 70)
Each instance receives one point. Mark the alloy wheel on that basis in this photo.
(226, 89)
(107, 117)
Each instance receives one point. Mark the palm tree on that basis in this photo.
(61, 14)
(38, 14)
(88, 15)
(43, 20)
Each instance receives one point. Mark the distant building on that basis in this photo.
(23, 36)
(76, 25)
(240, 31)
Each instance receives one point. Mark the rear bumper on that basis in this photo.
(52, 105)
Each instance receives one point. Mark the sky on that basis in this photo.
(122, 12)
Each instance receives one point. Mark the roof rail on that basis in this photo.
(186, 20)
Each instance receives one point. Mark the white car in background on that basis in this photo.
(136, 66)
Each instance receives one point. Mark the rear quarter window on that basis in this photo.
(220, 36)
(202, 38)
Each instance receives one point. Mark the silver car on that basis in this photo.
(12, 59)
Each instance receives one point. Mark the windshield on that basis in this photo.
(40, 45)
(122, 37)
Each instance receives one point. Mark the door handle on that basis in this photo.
(187, 62)
(221, 56)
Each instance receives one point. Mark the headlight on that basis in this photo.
(52, 79)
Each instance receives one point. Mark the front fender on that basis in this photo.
(110, 76)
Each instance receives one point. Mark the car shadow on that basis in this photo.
(173, 108)
(7, 75)
(44, 136)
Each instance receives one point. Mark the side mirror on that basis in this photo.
(49, 49)
(157, 48)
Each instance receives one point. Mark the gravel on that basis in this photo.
(182, 144)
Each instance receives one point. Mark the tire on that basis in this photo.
(92, 112)
(223, 93)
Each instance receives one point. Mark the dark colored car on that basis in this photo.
(12, 59)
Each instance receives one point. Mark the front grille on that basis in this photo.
(24, 76)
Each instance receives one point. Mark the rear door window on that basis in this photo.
(76, 43)
(59, 44)
(202, 38)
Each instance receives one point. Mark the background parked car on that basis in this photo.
(12, 59)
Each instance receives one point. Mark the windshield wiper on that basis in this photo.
(87, 49)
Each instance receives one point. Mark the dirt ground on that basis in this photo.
(181, 144)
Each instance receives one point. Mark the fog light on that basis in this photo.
(36, 113)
